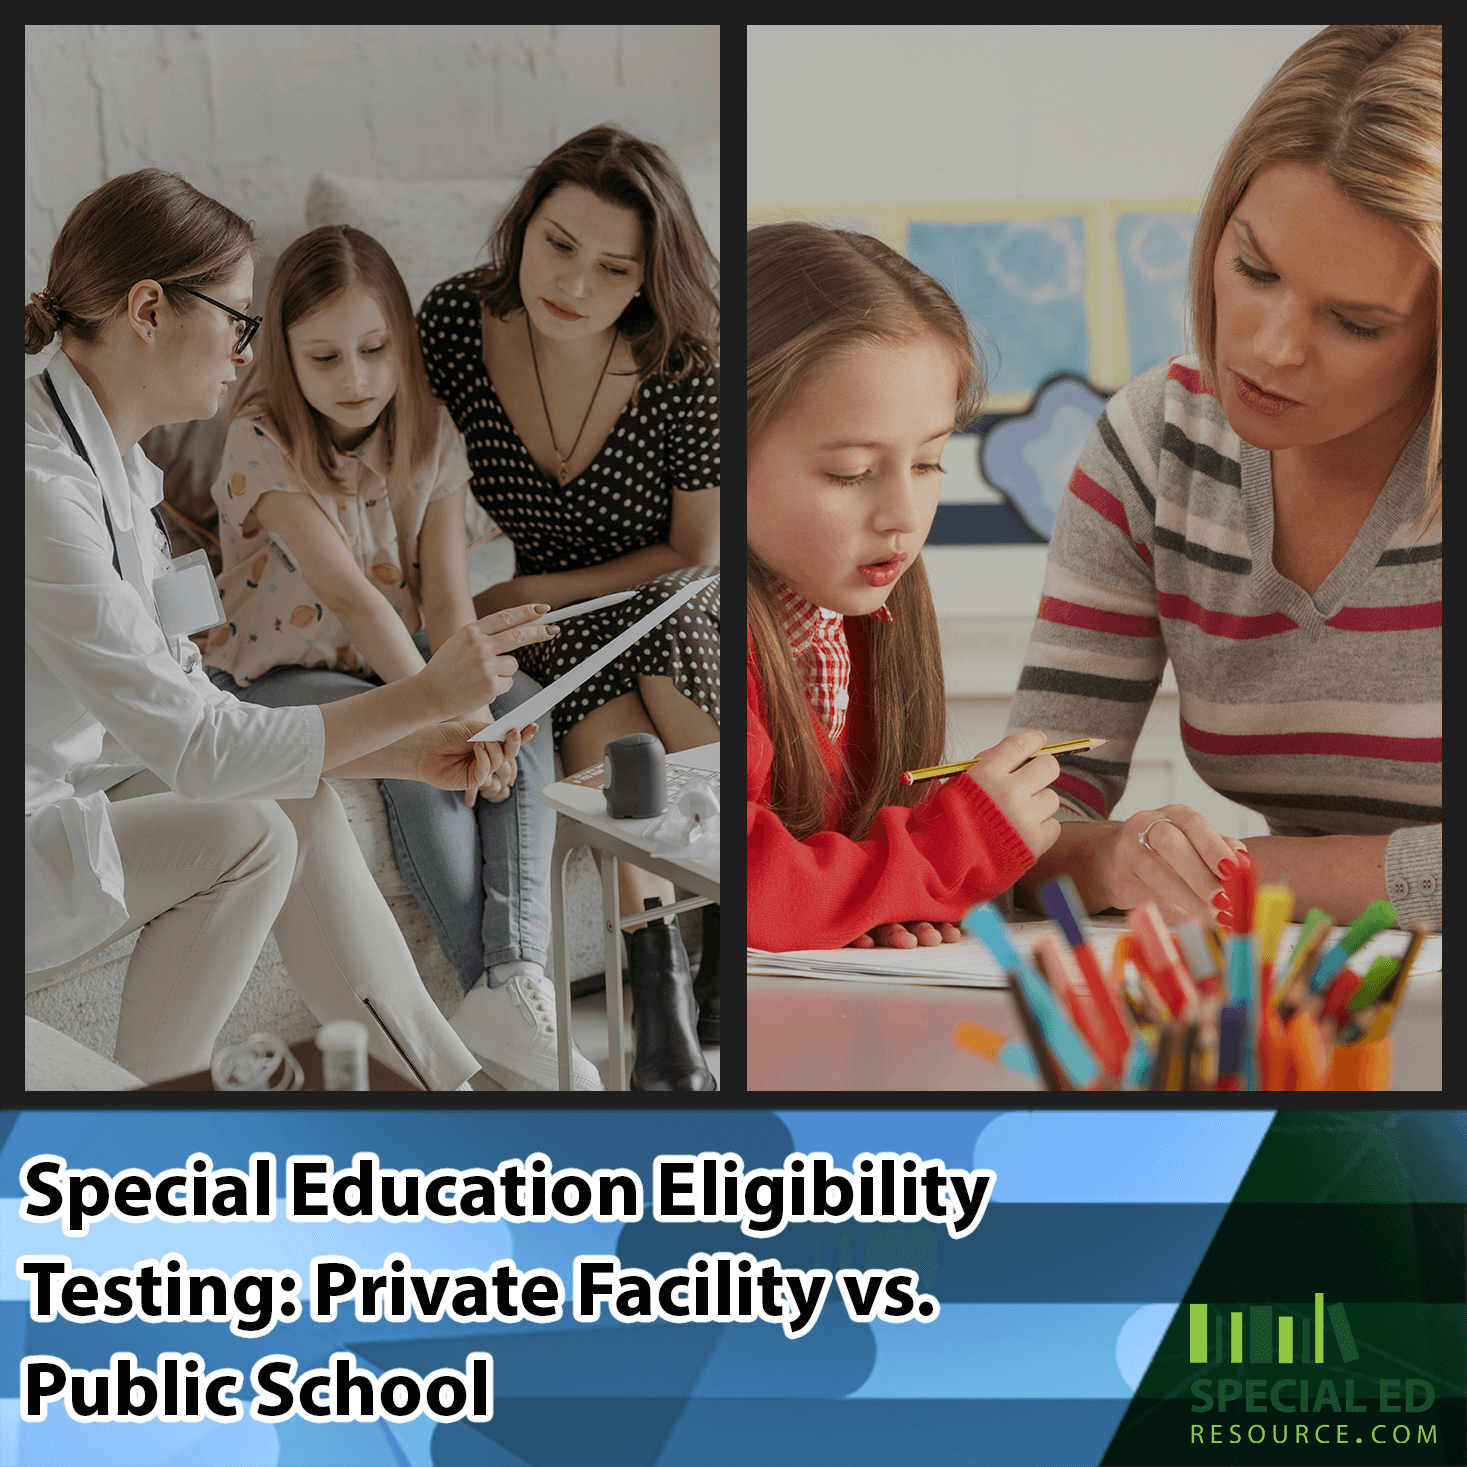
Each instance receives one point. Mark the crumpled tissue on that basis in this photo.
(690, 829)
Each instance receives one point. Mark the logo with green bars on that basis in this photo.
(1284, 1345)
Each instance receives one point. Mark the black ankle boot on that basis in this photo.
(705, 985)
(664, 1014)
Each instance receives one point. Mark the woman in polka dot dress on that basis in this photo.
(580, 365)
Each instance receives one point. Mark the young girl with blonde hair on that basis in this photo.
(860, 366)
(154, 802)
(341, 511)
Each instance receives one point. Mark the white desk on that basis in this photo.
(586, 823)
(834, 1034)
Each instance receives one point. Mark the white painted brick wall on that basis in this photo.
(249, 113)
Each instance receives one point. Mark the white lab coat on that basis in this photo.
(106, 693)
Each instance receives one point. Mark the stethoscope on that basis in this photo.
(81, 448)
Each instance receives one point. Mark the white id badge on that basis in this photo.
(187, 597)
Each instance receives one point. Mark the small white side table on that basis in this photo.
(585, 823)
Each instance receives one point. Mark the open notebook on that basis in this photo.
(969, 964)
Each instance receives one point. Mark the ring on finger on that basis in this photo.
(1161, 820)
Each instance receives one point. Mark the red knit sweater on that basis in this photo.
(929, 863)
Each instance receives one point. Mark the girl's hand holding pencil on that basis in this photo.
(1015, 774)
(1017, 778)
(943, 771)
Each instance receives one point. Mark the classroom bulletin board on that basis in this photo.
(1092, 286)
(1069, 298)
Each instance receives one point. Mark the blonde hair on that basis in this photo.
(1364, 104)
(312, 271)
(815, 294)
(147, 225)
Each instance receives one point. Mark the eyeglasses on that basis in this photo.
(244, 326)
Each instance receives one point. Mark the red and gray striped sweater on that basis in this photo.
(1322, 714)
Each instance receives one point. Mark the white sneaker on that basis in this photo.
(510, 1030)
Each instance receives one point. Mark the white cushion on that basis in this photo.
(435, 228)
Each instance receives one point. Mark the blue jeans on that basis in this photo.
(481, 876)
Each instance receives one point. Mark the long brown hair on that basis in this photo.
(672, 326)
(312, 271)
(814, 294)
(1364, 104)
(147, 225)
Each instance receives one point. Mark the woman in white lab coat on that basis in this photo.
(153, 800)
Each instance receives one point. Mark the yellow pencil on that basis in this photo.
(1065, 746)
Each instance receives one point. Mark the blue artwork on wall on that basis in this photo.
(1022, 283)
(1153, 251)
(1023, 462)
(1029, 457)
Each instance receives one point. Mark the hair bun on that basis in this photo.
(43, 318)
(46, 308)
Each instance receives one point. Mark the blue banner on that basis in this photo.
(418, 1287)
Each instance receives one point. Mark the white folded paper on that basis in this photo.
(530, 710)
(582, 607)
(969, 964)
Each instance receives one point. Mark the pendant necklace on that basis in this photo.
(565, 460)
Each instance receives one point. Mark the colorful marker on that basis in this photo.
(1200, 954)
(1232, 1049)
(1338, 998)
(1374, 1022)
(1373, 984)
(995, 1046)
(1306, 953)
(1242, 889)
(1375, 918)
(1390, 999)
(1069, 1050)
(1061, 901)
(1272, 908)
(1166, 1055)
(1169, 971)
(1050, 1070)
(1057, 964)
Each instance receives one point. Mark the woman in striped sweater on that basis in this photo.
(1266, 514)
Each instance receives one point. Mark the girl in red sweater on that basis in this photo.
(860, 367)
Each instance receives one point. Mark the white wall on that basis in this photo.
(952, 113)
(248, 113)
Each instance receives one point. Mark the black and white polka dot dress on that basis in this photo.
(665, 441)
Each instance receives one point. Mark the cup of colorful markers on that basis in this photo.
(1199, 1007)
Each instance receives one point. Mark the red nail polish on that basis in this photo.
(1226, 867)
